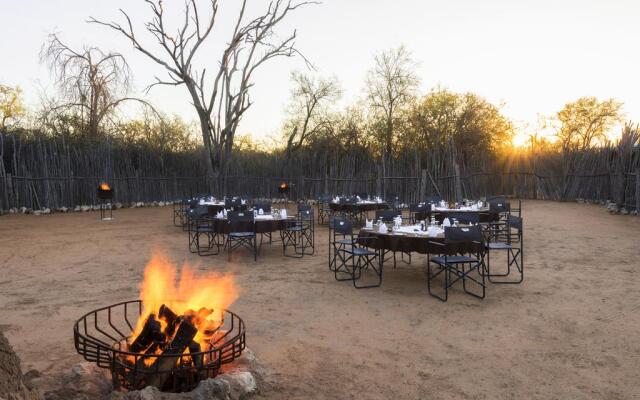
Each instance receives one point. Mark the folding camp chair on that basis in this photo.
(242, 232)
(514, 247)
(353, 260)
(301, 236)
(461, 258)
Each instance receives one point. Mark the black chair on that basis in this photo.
(242, 232)
(363, 196)
(464, 218)
(234, 204)
(393, 200)
(419, 210)
(303, 207)
(200, 223)
(461, 258)
(180, 212)
(301, 236)
(387, 215)
(514, 247)
(265, 207)
(324, 210)
(337, 240)
(352, 260)
(433, 200)
(497, 226)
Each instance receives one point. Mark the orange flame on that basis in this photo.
(104, 186)
(203, 297)
(283, 185)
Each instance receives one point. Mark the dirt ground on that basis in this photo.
(569, 332)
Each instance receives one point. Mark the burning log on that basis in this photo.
(151, 332)
(165, 363)
(171, 318)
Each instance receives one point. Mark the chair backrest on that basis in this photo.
(303, 207)
(232, 202)
(463, 239)
(266, 207)
(306, 215)
(341, 226)
(240, 216)
(433, 199)
(499, 207)
(416, 208)
(515, 222)
(387, 215)
(496, 199)
(464, 217)
(363, 196)
(325, 198)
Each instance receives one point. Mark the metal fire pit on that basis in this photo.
(105, 195)
(101, 336)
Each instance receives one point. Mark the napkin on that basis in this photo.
(220, 215)
(369, 224)
(201, 202)
(243, 201)
(446, 222)
(260, 211)
(432, 231)
(283, 213)
(433, 207)
(397, 220)
(383, 228)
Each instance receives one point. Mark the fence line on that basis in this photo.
(58, 191)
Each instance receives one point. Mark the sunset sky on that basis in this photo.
(530, 56)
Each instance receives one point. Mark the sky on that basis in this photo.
(530, 57)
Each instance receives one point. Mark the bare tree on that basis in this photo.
(391, 84)
(308, 110)
(90, 81)
(222, 99)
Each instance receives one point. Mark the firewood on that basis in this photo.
(171, 318)
(150, 332)
(164, 364)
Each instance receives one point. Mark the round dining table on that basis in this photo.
(359, 207)
(409, 240)
(484, 214)
(261, 224)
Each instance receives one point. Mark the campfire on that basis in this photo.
(104, 191)
(283, 188)
(182, 333)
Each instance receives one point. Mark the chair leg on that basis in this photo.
(430, 277)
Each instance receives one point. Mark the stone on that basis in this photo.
(23, 210)
(85, 208)
(77, 209)
(154, 204)
(161, 204)
(37, 212)
(95, 207)
(13, 210)
(63, 209)
(139, 204)
(624, 211)
(118, 205)
(46, 210)
(13, 385)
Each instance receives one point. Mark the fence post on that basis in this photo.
(638, 190)
(423, 185)
(301, 189)
(326, 184)
(5, 193)
(458, 182)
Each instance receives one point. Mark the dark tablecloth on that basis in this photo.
(351, 208)
(259, 226)
(408, 243)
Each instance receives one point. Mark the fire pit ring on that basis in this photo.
(101, 335)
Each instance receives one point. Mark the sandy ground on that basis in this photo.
(569, 332)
